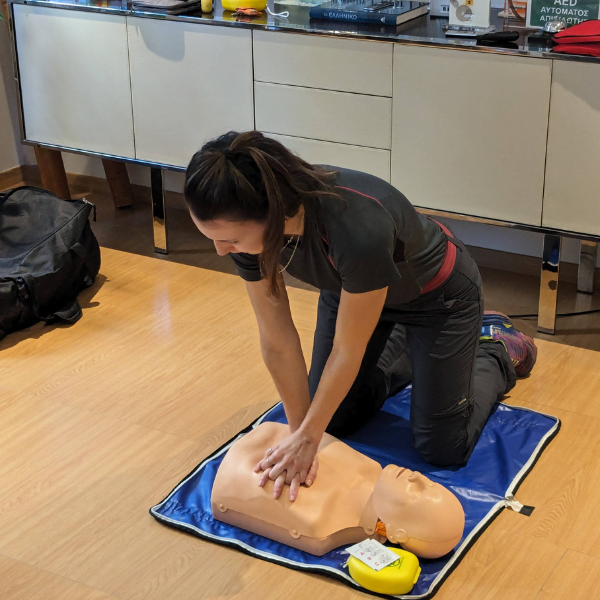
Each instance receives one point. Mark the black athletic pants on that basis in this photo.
(456, 379)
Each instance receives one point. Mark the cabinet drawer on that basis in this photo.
(369, 160)
(323, 115)
(362, 67)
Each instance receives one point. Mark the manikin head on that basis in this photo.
(423, 517)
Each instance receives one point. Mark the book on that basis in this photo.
(353, 27)
(380, 12)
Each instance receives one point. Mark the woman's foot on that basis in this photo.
(497, 327)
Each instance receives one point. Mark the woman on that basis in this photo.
(391, 280)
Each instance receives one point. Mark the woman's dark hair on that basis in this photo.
(249, 177)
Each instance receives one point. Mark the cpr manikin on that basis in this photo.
(352, 499)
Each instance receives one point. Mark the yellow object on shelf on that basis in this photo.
(233, 4)
(206, 6)
(395, 579)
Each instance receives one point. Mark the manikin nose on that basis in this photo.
(417, 480)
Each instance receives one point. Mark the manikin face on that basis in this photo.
(424, 517)
(233, 236)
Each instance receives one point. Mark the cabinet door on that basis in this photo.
(572, 193)
(189, 83)
(74, 76)
(469, 131)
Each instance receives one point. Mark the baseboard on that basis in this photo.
(485, 257)
(12, 177)
(21, 175)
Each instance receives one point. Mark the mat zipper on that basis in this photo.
(511, 502)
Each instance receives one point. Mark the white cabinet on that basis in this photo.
(189, 83)
(469, 131)
(74, 76)
(572, 192)
(370, 160)
(343, 65)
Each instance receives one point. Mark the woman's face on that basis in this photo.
(233, 236)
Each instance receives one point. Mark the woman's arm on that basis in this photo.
(357, 317)
(292, 459)
(281, 350)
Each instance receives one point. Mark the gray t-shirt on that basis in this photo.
(372, 239)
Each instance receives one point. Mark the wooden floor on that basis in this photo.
(100, 420)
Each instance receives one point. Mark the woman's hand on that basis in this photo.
(293, 461)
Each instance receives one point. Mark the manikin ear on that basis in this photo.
(401, 536)
(398, 537)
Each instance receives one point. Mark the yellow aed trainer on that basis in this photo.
(234, 4)
(395, 579)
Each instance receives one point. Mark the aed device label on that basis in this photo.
(570, 11)
(373, 554)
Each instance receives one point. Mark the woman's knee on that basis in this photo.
(443, 448)
(365, 398)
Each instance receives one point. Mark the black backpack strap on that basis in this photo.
(4, 196)
(70, 313)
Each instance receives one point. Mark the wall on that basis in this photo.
(510, 240)
(12, 152)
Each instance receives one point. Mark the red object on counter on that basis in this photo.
(584, 49)
(586, 32)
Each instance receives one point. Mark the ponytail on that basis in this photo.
(250, 177)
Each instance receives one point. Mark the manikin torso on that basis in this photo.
(340, 507)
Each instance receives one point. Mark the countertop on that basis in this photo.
(424, 30)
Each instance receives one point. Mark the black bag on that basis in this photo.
(48, 254)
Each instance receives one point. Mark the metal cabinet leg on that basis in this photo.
(587, 267)
(159, 211)
(549, 283)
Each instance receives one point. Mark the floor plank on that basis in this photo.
(576, 576)
(560, 370)
(587, 538)
(19, 581)
(132, 300)
(563, 485)
(73, 482)
(494, 568)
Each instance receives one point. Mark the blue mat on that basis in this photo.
(510, 444)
